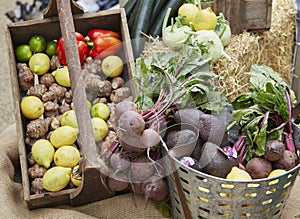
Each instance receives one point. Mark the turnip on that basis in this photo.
(274, 150)
(131, 122)
(258, 168)
(141, 169)
(155, 188)
(287, 161)
(124, 106)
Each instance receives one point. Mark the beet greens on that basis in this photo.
(264, 113)
(176, 79)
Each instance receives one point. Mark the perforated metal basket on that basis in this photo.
(209, 197)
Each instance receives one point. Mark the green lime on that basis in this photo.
(100, 110)
(39, 63)
(37, 43)
(50, 49)
(23, 53)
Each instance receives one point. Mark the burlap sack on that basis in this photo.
(13, 205)
(119, 207)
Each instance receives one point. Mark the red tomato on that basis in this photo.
(94, 33)
(105, 46)
(83, 49)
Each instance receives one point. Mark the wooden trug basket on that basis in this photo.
(62, 18)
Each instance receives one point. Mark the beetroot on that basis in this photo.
(214, 161)
(117, 182)
(131, 143)
(188, 115)
(259, 168)
(288, 161)
(124, 106)
(180, 137)
(274, 150)
(141, 169)
(149, 138)
(119, 161)
(213, 129)
(131, 122)
(155, 188)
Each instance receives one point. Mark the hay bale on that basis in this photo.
(274, 48)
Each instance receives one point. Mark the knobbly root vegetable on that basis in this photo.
(54, 63)
(117, 82)
(37, 90)
(288, 161)
(25, 76)
(51, 109)
(55, 93)
(120, 94)
(274, 150)
(36, 171)
(156, 188)
(141, 169)
(37, 186)
(47, 79)
(258, 168)
(38, 128)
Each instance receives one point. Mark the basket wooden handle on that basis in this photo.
(51, 10)
(92, 188)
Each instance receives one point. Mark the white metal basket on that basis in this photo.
(200, 195)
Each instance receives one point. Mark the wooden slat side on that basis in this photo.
(17, 116)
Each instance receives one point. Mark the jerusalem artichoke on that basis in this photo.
(37, 186)
(120, 94)
(38, 128)
(54, 63)
(117, 82)
(36, 171)
(55, 93)
(25, 76)
(37, 90)
(47, 79)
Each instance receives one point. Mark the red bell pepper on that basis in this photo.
(83, 49)
(94, 33)
(103, 43)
